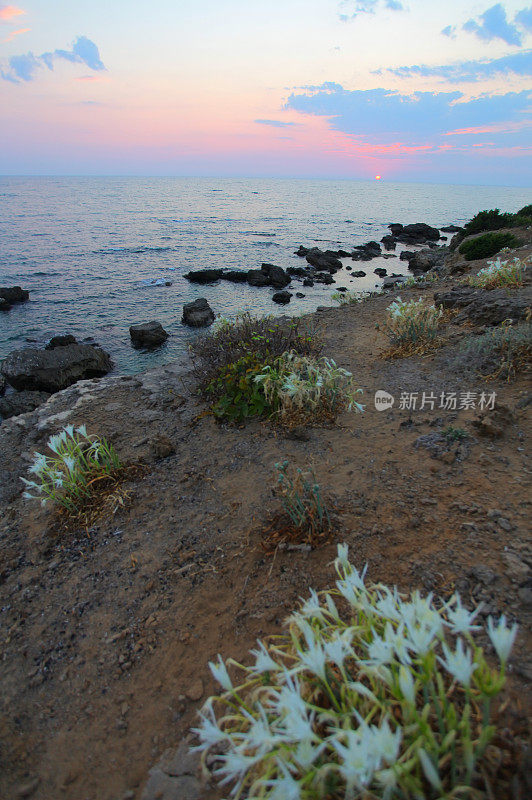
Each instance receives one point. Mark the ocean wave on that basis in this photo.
(256, 233)
(112, 251)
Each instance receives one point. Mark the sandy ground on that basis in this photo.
(106, 631)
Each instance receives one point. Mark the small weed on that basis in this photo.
(69, 476)
(350, 298)
(412, 322)
(454, 434)
(502, 352)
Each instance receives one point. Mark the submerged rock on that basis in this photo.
(60, 341)
(277, 277)
(148, 334)
(282, 297)
(53, 370)
(197, 314)
(323, 260)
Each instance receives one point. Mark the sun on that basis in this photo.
(377, 177)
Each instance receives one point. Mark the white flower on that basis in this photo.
(70, 463)
(343, 556)
(235, 766)
(82, 430)
(339, 648)
(209, 732)
(421, 637)
(285, 788)
(357, 758)
(312, 606)
(459, 664)
(263, 660)
(502, 638)
(460, 619)
(220, 674)
(380, 651)
(407, 685)
(314, 659)
(54, 443)
(387, 743)
(69, 431)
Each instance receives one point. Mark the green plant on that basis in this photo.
(487, 245)
(352, 298)
(236, 395)
(454, 434)
(500, 274)
(421, 280)
(369, 695)
(412, 321)
(493, 220)
(67, 477)
(302, 501)
(303, 389)
(501, 352)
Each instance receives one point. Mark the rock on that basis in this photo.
(177, 776)
(302, 252)
(493, 423)
(53, 370)
(2, 385)
(276, 275)
(365, 252)
(380, 271)
(516, 569)
(417, 233)
(27, 789)
(195, 691)
(162, 447)
(204, 275)
(406, 255)
(324, 277)
(197, 314)
(389, 242)
(308, 282)
(395, 227)
(359, 273)
(299, 272)
(4, 305)
(60, 341)
(327, 260)
(342, 289)
(148, 334)
(491, 307)
(457, 297)
(393, 282)
(14, 294)
(300, 295)
(21, 402)
(282, 297)
(427, 259)
(452, 229)
(256, 277)
(235, 276)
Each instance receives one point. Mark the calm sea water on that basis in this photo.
(86, 247)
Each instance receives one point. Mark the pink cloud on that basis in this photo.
(15, 33)
(498, 127)
(9, 12)
(90, 78)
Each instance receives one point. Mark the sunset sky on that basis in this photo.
(412, 90)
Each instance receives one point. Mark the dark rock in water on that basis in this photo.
(235, 276)
(299, 272)
(53, 370)
(281, 297)
(308, 282)
(204, 275)
(324, 277)
(2, 385)
(14, 294)
(342, 254)
(359, 273)
(341, 289)
(417, 233)
(380, 271)
(198, 314)
(388, 255)
(21, 402)
(395, 227)
(389, 242)
(349, 269)
(60, 341)
(323, 259)
(427, 259)
(302, 252)
(300, 294)
(256, 277)
(452, 229)
(406, 255)
(4, 305)
(148, 334)
(486, 306)
(365, 252)
(276, 276)
(393, 281)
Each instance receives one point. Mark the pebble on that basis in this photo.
(505, 524)
(195, 691)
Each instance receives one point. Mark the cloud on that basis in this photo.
(350, 9)
(274, 123)
(524, 18)
(24, 68)
(517, 64)
(8, 13)
(449, 31)
(13, 34)
(493, 24)
(385, 117)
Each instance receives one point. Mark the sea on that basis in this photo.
(96, 253)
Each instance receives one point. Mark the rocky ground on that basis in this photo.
(106, 629)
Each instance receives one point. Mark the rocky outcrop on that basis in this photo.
(148, 334)
(277, 277)
(60, 341)
(204, 275)
(2, 385)
(486, 307)
(452, 229)
(14, 294)
(389, 242)
(235, 276)
(282, 297)
(365, 252)
(256, 277)
(417, 233)
(426, 259)
(380, 271)
(4, 305)
(20, 402)
(323, 260)
(197, 314)
(53, 370)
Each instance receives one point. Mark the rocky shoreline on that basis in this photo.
(107, 628)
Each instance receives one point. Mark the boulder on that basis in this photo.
(427, 259)
(457, 297)
(256, 277)
(389, 242)
(276, 276)
(282, 297)
(4, 305)
(20, 402)
(406, 255)
(393, 281)
(14, 294)
(2, 385)
(235, 276)
(452, 229)
(359, 273)
(395, 228)
(302, 252)
(308, 282)
(197, 314)
(380, 271)
(323, 260)
(486, 306)
(299, 272)
(148, 334)
(60, 341)
(53, 370)
(417, 233)
(324, 277)
(365, 252)
(204, 275)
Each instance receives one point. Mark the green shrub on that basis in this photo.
(302, 501)
(487, 245)
(501, 352)
(500, 274)
(412, 321)
(235, 394)
(526, 211)
(493, 220)
(370, 694)
(305, 389)
(453, 434)
(68, 476)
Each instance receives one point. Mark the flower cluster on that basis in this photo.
(500, 274)
(412, 321)
(77, 461)
(370, 694)
(301, 387)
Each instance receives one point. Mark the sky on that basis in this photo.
(411, 90)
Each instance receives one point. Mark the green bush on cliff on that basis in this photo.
(487, 245)
(493, 220)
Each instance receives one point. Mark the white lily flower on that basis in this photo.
(209, 731)
(54, 443)
(339, 648)
(387, 743)
(69, 431)
(284, 788)
(380, 651)
(220, 674)
(312, 606)
(460, 664)
(502, 637)
(407, 685)
(460, 619)
(82, 430)
(314, 659)
(263, 660)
